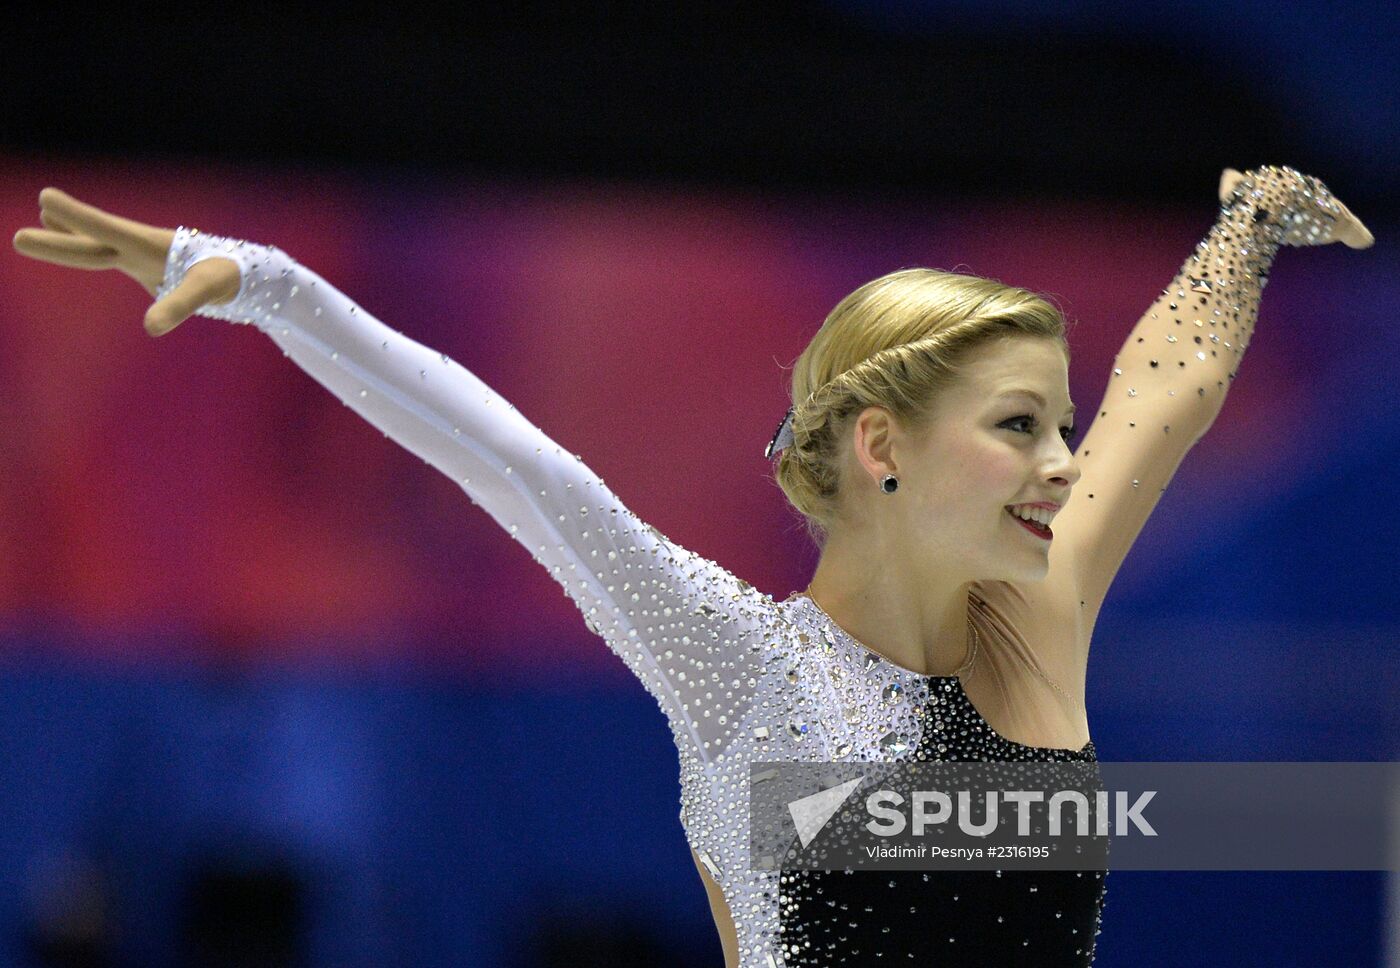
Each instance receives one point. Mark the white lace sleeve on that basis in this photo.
(686, 627)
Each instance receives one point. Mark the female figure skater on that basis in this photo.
(927, 449)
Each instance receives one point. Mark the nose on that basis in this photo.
(1064, 468)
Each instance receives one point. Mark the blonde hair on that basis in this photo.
(894, 343)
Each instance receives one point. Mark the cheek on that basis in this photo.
(974, 476)
(987, 468)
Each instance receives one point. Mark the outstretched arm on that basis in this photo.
(1170, 379)
(685, 626)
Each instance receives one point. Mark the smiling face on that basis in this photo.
(990, 443)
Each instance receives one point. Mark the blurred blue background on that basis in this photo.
(273, 692)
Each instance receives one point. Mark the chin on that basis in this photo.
(1026, 573)
(1037, 574)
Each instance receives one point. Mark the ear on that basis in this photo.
(874, 427)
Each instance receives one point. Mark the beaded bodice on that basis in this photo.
(831, 699)
(943, 917)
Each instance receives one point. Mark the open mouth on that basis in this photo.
(1034, 527)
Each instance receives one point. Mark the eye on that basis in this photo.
(1025, 418)
(1030, 422)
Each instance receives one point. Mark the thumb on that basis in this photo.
(1229, 178)
(209, 281)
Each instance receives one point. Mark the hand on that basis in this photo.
(83, 237)
(1283, 202)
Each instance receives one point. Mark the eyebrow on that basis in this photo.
(1019, 391)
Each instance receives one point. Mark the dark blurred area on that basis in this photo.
(239, 915)
(1014, 100)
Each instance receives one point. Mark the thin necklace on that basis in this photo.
(973, 638)
(1074, 704)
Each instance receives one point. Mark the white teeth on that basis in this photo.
(1038, 515)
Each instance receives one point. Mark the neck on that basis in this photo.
(915, 620)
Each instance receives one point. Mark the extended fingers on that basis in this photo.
(50, 219)
(210, 281)
(1352, 232)
(78, 216)
(64, 248)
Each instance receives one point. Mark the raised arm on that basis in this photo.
(685, 626)
(1170, 379)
